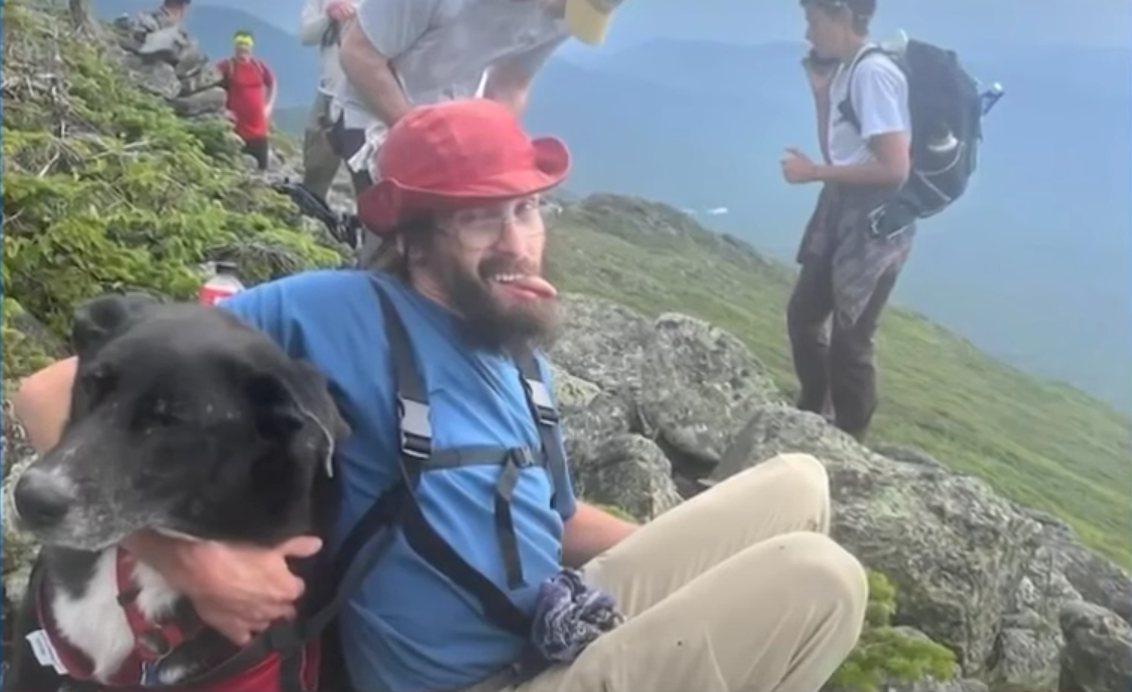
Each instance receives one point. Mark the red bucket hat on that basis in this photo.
(455, 153)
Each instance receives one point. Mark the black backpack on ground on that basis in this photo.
(946, 109)
(344, 228)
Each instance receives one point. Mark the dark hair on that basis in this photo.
(176, 3)
(393, 254)
(862, 11)
(241, 33)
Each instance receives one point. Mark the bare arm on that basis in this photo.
(381, 31)
(270, 89)
(891, 167)
(370, 74)
(509, 79)
(43, 402)
(590, 532)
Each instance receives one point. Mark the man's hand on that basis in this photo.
(238, 590)
(819, 77)
(340, 10)
(798, 168)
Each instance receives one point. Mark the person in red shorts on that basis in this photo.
(251, 95)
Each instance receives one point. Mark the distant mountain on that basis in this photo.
(295, 65)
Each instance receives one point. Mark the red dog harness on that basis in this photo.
(260, 666)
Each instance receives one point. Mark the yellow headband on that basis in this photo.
(245, 41)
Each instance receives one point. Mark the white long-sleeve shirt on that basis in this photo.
(313, 24)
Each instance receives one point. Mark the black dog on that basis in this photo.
(184, 421)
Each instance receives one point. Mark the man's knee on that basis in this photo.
(831, 576)
(794, 478)
(806, 468)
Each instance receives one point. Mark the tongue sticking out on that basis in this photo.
(532, 286)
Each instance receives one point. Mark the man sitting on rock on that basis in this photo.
(251, 96)
(739, 588)
(402, 53)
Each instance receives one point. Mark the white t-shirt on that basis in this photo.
(880, 100)
(313, 24)
(440, 50)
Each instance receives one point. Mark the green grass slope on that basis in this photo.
(1042, 444)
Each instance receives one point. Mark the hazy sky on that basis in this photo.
(1097, 22)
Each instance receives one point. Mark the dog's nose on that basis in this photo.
(42, 499)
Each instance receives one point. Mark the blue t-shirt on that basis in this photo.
(408, 628)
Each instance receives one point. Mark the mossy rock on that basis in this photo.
(106, 189)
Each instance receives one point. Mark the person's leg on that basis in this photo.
(852, 370)
(320, 162)
(780, 616)
(257, 149)
(807, 323)
(787, 493)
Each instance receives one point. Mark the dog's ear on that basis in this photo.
(286, 403)
(310, 383)
(99, 320)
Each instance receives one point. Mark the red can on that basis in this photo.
(223, 283)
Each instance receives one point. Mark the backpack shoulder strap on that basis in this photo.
(546, 418)
(415, 434)
(846, 108)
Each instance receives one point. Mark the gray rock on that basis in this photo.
(165, 60)
(953, 548)
(1098, 649)
(156, 77)
(631, 473)
(694, 385)
(209, 101)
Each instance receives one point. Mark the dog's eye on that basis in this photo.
(163, 412)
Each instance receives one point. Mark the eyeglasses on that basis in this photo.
(478, 228)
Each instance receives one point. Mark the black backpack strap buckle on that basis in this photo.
(415, 428)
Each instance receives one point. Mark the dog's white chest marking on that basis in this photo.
(96, 624)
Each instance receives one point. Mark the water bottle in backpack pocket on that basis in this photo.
(946, 105)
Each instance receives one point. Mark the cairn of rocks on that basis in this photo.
(168, 62)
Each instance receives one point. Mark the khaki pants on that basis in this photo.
(320, 163)
(738, 590)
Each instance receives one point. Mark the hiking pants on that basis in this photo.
(320, 162)
(834, 364)
(739, 589)
(347, 141)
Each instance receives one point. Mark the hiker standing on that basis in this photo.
(251, 96)
(847, 270)
(321, 24)
(401, 53)
(436, 368)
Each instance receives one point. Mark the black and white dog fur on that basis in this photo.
(184, 421)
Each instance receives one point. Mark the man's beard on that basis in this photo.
(488, 323)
